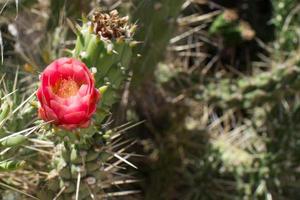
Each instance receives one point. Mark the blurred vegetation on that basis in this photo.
(216, 81)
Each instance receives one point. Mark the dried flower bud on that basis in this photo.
(247, 32)
(111, 26)
(230, 15)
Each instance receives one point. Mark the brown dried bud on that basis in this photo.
(111, 26)
(230, 15)
(247, 32)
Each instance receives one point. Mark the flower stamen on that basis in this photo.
(66, 88)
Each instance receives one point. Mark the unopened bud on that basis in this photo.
(102, 89)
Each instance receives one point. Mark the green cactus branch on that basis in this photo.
(109, 56)
(13, 117)
(156, 20)
(255, 91)
(286, 21)
(232, 29)
(269, 86)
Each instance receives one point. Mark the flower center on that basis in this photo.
(66, 88)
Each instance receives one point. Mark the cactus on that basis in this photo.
(233, 30)
(81, 165)
(268, 87)
(239, 140)
(254, 91)
(11, 138)
(286, 31)
(268, 101)
(108, 52)
(152, 16)
(16, 116)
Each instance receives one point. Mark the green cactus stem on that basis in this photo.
(157, 20)
(233, 30)
(105, 44)
(254, 91)
(287, 32)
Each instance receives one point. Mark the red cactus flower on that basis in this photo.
(67, 94)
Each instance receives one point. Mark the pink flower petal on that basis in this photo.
(81, 77)
(68, 112)
(63, 60)
(83, 90)
(66, 71)
(40, 96)
(68, 126)
(42, 114)
(74, 118)
(78, 107)
(92, 110)
(50, 115)
(49, 77)
(73, 99)
(59, 109)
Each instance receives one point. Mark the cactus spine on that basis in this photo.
(12, 118)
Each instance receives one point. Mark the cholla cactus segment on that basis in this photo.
(86, 160)
(287, 32)
(105, 44)
(234, 30)
(255, 91)
(86, 168)
(157, 19)
(16, 115)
